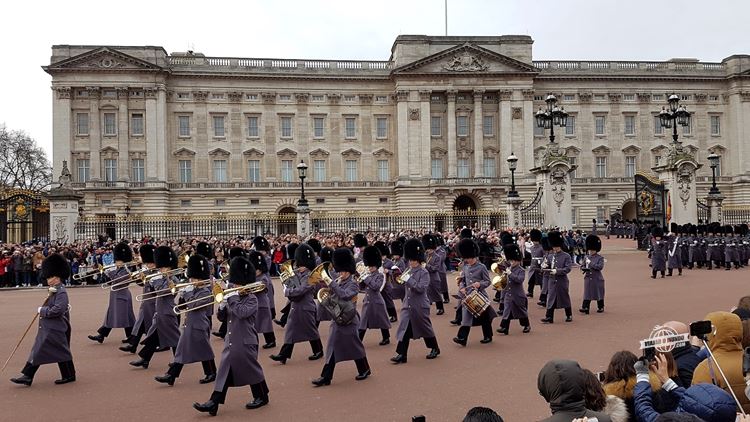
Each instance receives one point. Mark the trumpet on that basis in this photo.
(406, 274)
(176, 272)
(362, 272)
(217, 296)
(321, 274)
(134, 277)
(100, 269)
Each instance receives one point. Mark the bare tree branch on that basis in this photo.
(23, 164)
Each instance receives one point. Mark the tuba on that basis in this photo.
(286, 273)
(321, 274)
(500, 280)
(342, 311)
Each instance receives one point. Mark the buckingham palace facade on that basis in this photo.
(151, 133)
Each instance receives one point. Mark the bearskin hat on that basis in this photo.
(466, 233)
(235, 252)
(512, 253)
(467, 248)
(414, 250)
(397, 248)
(657, 232)
(164, 257)
(197, 267)
(372, 257)
(536, 235)
(122, 252)
(147, 253)
(674, 228)
(326, 254)
(545, 244)
(555, 239)
(594, 220)
(55, 265)
(506, 238)
(728, 229)
(429, 241)
(260, 243)
(241, 271)
(593, 243)
(304, 256)
(315, 245)
(291, 249)
(343, 260)
(694, 229)
(204, 249)
(382, 248)
(258, 261)
(360, 241)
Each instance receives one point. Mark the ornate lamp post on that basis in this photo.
(551, 117)
(675, 115)
(713, 159)
(512, 164)
(302, 170)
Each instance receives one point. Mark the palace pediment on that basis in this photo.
(466, 59)
(103, 59)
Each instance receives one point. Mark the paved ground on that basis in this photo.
(501, 375)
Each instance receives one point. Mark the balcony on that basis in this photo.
(630, 67)
(260, 65)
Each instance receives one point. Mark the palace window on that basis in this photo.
(488, 125)
(570, 128)
(539, 131)
(318, 127)
(382, 127)
(220, 171)
(253, 171)
(110, 126)
(599, 122)
(350, 127)
(630, 125)
(184, 126)
(110, 170)
(436, 123)
(601, 167)
(287, 171)
(383, 171)
(574, 215)
(286, 127)
(569, 97)
(381, 99)
(317, 98)
(463, 168)
(351, 170)
(136, 124)
(186, 171)
(138, 171)
(82, 123)
(437, 168)
(629, 166)
(252, 127)
(489, 167)
(462, 125)
(601, 213)
(83, 170)
(285, 97)
(185, 203)
(715, 125)
(658, 129)
(251, 97)
(319, 170)
(219, 126)
(573, 161)
(628, 97)
(688, 128)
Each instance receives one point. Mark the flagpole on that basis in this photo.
(446, 18)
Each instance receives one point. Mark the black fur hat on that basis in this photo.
(466, 233)
(429, 241)
(397, 248)
(55, 265)
(512, 253)
(241, 271)
(204, 249)
(261, 244)
(164, 257)
(235, 252)
(593, 243)
(555, 239)
(258, 261)
(315, 245)
(147, 253)
(326, 254)
(304, 256)
(197, 267)
(506, 239)
(674, 228)
(467, 248)
(343, 260)
(372, 257)
(536, 235)
(545, 244)
(657, 232)
(291, 249)
(384, 251)
(413, 250)
(122, 252)
(360, 241)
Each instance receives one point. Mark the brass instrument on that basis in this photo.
(224, 269)
(100, 269)
(342, 311)
(134, 277)
(321, 274)
(182, 260)
(161, 292)
(406, 274)
(286, 270)
(217, 296)
(361, 271)
(117, 280)
(500, 281)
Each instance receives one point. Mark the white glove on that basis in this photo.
(507, 271)
(222, 305)
(52, 290)
(189, 289)
(228, 295)
(588, 261)
(554, 271)
(39, 310)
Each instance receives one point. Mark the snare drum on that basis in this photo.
(476, 303)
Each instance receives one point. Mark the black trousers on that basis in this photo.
(288, 348)
(486, 323)
(551, 312)
(535, 280)
(135, 338)
(402, 348)
(149, 347)
(459, 313)
(505, 323)
(209, 368)
(269, 337)
(327, 372)
(587, 304)
(222, 329)
(67, 369)
(285, 313)
(439, 305)
(104, 331)
(259, 390)
(384, 332)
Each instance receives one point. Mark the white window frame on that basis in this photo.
(138, 170)
(436, 168)
(600, 166)
(658, 128)
(286, 125)
(629, 128)
(715, 129)
(220, 131)
(80, 125)
(135, 130)
(287, 171)
(433, 132)
(186, 132)
(573, 161)
(459, 126)
(463, 168)
(538, 130)
(319, 170)
(109, 128)
(489, 167)
(383, 171)
(631, 165)
(185, 169)
(220, 170)
(570, 127)
(253, 130)
(488, 131)
(350, 127)
(84, 170)
(381, 132)
(253, 171)
(350, 170)
(321, 128)
(603, 118)
(110, 169)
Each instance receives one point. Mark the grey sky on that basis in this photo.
(563, 29)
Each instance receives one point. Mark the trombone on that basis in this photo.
(134, 277)
(162, 292)
(217, 296)
(100, 269)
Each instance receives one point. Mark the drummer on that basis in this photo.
(474, 280)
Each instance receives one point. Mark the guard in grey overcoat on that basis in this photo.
(194, 344)
(442, 268)
(164, 331)
(535, 267)
(302, 323)
(674, 253)
(387, 291)
(374, 312)
(474, 277)
(52, 344)
(263, 321)
(239, 359)
(233, 252)
(399, 290)
(658, 252)
(432, 265)
(120, 310)
(343, 339)
(148, 307)
(559, 264)
(516, 302)
(731, 255)
(593, 281)
(260, 244)
(546, 249)
(415, 313)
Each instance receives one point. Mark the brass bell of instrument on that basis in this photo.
(321, 274)
(286, 271)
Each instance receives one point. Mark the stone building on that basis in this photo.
(152, 133)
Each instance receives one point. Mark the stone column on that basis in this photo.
(152, 147)
(513, 210)
(403, 135)
(95, 136)
(62, 129)
(63, 205)
(426, 147)
(161, 132)
(303, 221)
(553, 175)
(451, 133)
(506, 128)
(678, 176)
(715, 211)
(123, 135)
(478, 136)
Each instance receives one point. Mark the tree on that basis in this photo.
(23, 163)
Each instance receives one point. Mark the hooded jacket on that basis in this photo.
(707, 401)
(726, 345)
(560, 382)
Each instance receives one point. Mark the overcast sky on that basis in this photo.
(562, 29)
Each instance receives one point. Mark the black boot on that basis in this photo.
(653, 274)
(23, 380)
(462, 336)
(386, 337)
(166, 379)
(600, 306)
(504, 326)
(211, 407)
(585, 307)
(525, 324)
(67, 372)
(399, 358)
(141, 363)
(260, 395)
(549, 317)
(317, 348)
(435, 352)
(97, 338)
(363, 369)
(209, 370)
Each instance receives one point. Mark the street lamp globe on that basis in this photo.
(302, 169)
(713, 159)
(683, 116)
(673, 101)
(512, 162)
(665, 118)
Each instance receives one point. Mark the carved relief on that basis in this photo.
(413, 114)
(334, 98)
(424, 95)
(235, 96)
(60, 229)
(684, 184)
(122, 92)
(528, 94)
(558, 185)
(451, 94)
(701, 97)
(615, 97)
(517, 113)
(402, 95)
(644, 97)
(465, 62)
(744, 96)
(584, 97)
(200, 96)
(301, 97)
(150, 92)
(268, 97)
(93, 92)
(63, 92)
(505, 95)
(365, 98)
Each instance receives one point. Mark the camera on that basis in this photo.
(701, 328)
(649, 354)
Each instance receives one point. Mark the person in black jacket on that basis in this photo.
(686, 356)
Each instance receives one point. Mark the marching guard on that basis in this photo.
(302, 323)
(535, 269)
(326, 255)
(442, 270)
(147, 307)
(516, 302)
(658, 252)
(546, 249)
(559, 265)
(343, 340)
(261, 245)
(164, 331)
(120, 310)
(52, 344)
(387, 291)
(396, 267)
(374, 313)
(593, 281)
(263, 324)
(674, 254)
(239, 360)
(194, 344)
(474, 278)
(433, 264)
(415, 313)
(291, 249)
